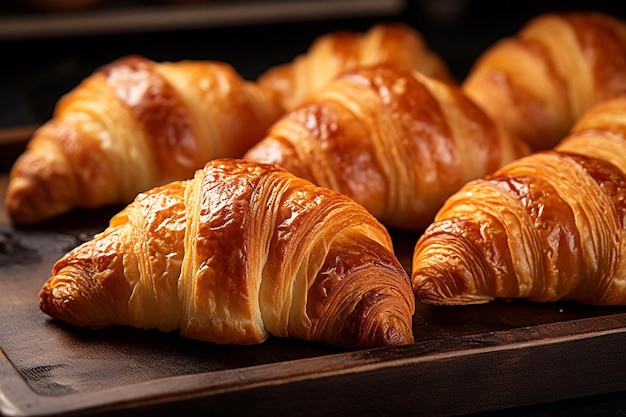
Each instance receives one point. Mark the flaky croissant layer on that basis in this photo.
(132, 125)
(344, 51)
(241, 251)
(540, 81)
(397, 142)
(547, 227)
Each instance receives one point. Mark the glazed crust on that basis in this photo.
(132, 125)
(548, 227)
(342, 51)
(390, 138)
(239, 252)
(539, 81)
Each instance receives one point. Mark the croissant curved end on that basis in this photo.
(41, 185)
(85, 290)
(56, 300)
(435, 291)
(375, 292)
(384, 319)
(64, 297)
(391, 331)
(26, 203)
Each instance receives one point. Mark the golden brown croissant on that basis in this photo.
(390, 138)
(548, 227)
(131, 125)
(240, 251)
(541, 80)
(337, 52)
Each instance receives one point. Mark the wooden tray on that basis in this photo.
(464, 360)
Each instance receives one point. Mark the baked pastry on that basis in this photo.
(539, 81)
(392, 139)
(341, 51)
(241, 251)
(131, 125)
(547, 227)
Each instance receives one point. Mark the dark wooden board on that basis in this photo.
(465, 359)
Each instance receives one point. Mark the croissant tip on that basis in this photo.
(389, 331)
(48, 303)
(30, 199)
(21, 202)
(397, 335)
(57, 299)
(436, 292)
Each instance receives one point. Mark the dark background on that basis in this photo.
(37, 69)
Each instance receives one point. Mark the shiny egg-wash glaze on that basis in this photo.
(547, 227)
(342, 51)
(392, 139)
(538, 82)
(239, 252)
(131, 125)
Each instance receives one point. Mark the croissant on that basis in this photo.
(240, 251)
(539, 81)
(547, 227)
(341, 51)
(392, 139)
(131, 125)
